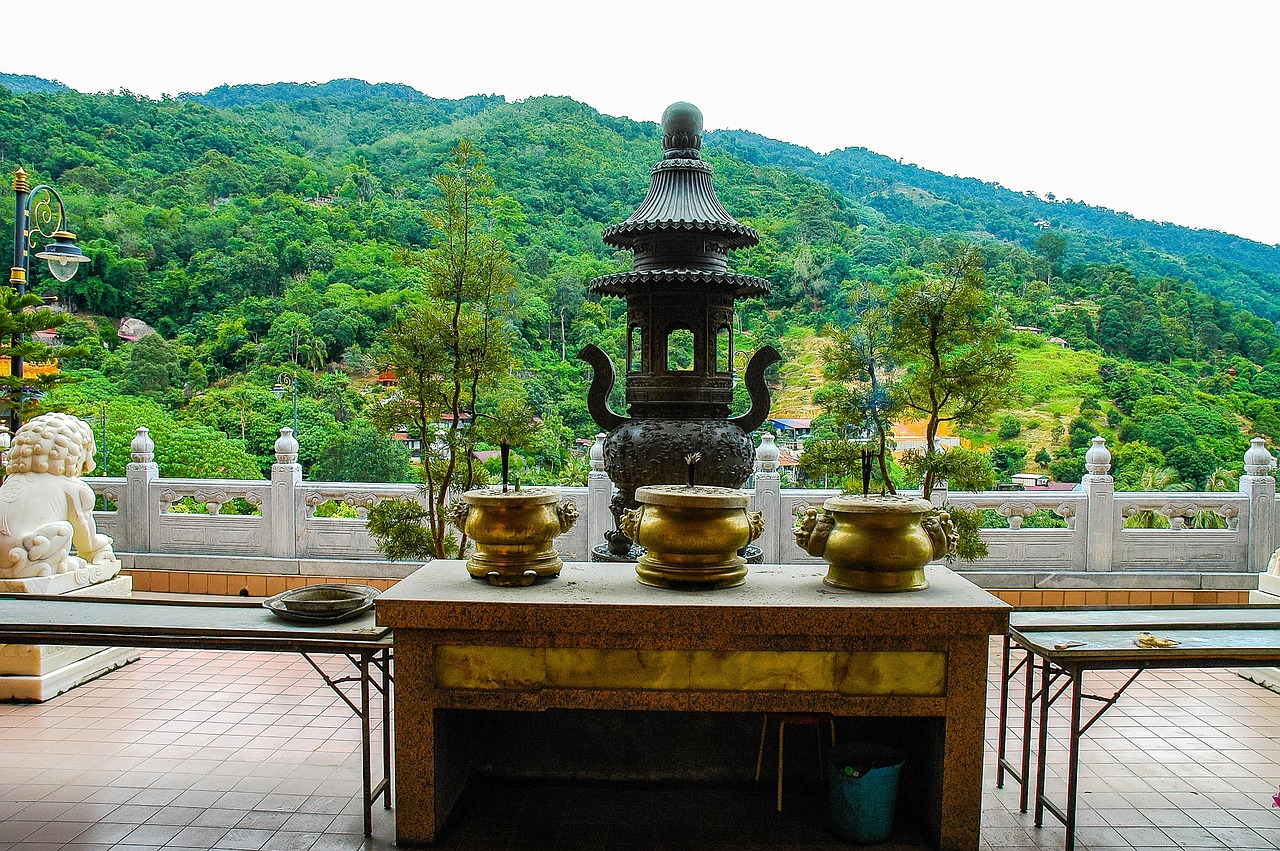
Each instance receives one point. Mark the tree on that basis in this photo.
(1008, 459)
(20, 317)
(154, 369)
(1051, 246)
(1155, 479)
(858, 396)
(451, 348)
(948, 344)
(363, 453)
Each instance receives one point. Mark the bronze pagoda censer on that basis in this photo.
(679, 289)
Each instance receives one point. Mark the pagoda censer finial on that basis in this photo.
(680, 345)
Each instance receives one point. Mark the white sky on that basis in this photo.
(1167, 110)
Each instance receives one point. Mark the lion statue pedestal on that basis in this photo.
(49, 544)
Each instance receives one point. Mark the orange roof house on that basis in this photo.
(910, 434)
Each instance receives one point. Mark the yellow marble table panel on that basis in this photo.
(915, 673)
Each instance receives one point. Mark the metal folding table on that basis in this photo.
(1071, 642)
(218, 625)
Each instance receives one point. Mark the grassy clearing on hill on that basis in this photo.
(800, 373)
(1053, 381)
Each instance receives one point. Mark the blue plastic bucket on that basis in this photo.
(863, 783)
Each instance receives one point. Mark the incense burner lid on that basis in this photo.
(877, 504)
(699, 496)
(513, 498)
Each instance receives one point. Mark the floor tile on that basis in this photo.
(232, 751)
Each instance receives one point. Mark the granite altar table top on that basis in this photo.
(602, 597)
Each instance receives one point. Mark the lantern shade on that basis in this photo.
(62, 255)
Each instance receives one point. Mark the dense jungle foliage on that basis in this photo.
(282, 228)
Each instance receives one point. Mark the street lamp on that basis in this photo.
(288, 381)
(6, 443)
(102, 407)
(39, 210)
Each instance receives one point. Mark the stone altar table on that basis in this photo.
(595, 642)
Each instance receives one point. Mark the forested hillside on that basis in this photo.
(282, 227)
(1238, 270)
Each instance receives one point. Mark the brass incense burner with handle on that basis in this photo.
(877, 543)
(514, 532)
(692, 534)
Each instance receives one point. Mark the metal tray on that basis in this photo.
(344, 606)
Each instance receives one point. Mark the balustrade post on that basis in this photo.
(1100, 513)
(599, 492)
(136, 504)
(1261, 489)
(941, 493)
(282, 509)
(769, 499)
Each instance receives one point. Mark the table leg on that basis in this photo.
(1027, 708)
(1043, 741)
(960, 809)
(366, 745)
(386, 728)
(1073, 757)
(1004, 712)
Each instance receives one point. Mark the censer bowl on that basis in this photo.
(692, 535)
(514, 533)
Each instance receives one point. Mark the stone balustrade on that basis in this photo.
(278, 527)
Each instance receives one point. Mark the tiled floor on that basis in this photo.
(234, 751)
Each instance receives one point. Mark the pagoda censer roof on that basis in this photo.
(681, 197)
(681, 233)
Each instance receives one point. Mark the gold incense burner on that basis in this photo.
(514, 532)
(877, 543)
(692, 534)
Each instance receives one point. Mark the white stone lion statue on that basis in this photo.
(45, 510)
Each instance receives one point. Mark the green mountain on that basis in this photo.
(256, 94)
(27, 83)
(1230, 267)
(260, 226)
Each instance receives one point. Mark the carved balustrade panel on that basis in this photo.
(1181, 531)
(174, 495)
(574, 545)
(1202, 512)
(214, 533)
(110, 491)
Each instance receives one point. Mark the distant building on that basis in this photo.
(413, 442)
(792, 431)
(1030, 480)
(30, 367)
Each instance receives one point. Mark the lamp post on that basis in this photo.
(39, 210)
(102, 407)
(288, 381)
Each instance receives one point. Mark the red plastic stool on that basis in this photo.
(813, 719)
